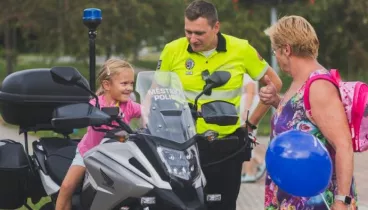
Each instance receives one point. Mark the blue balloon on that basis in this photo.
(299, 164)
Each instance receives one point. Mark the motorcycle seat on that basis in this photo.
(59, 156)
(58, 163)
(51, 145)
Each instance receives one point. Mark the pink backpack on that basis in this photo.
(354, 97)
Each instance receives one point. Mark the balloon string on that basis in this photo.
(323, 197)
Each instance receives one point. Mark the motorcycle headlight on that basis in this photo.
(183, 164)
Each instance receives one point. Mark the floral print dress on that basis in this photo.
(292, 115)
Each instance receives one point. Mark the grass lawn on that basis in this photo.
(36, 206)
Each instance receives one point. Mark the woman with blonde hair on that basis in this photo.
(295, 45)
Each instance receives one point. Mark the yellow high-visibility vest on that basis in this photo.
(232, 54)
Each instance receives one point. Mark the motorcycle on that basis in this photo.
(156, 167)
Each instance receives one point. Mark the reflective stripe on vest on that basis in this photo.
(215, 95)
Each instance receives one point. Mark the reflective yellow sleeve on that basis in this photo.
(255, 65)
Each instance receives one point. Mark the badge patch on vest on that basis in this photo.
(189, 64)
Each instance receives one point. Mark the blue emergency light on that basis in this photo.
(92, 17)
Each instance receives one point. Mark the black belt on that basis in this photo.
(237, 144)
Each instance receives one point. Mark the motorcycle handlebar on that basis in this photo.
(124, 125)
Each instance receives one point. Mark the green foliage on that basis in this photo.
(341, 26)
(55, 28)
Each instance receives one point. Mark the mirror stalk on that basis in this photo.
(206, 88)
(92, 93)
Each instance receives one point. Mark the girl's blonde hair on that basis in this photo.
(297, 32)
(110, 68)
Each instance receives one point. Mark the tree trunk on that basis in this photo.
(136, 53)
(9, 48)
(108, 52)
(60, 20)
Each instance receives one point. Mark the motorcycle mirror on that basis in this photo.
(70, 76)
(65, 75)
(216, 79)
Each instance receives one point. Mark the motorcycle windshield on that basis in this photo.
(165, 110)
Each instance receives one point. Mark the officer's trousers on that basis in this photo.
(223, 178)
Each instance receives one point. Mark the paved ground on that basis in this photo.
(251, 196)
(10, 133)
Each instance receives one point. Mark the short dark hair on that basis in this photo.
(202, 8)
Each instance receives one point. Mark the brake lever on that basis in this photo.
(104, 130)
(99, 129)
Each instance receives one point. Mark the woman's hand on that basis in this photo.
(268, 94)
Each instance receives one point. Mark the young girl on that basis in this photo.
(116, 79)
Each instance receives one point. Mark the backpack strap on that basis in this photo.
(333, 79)
(335, 75)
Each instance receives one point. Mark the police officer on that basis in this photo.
(202, 51)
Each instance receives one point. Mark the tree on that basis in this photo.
(12, 18)
(341, 26)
